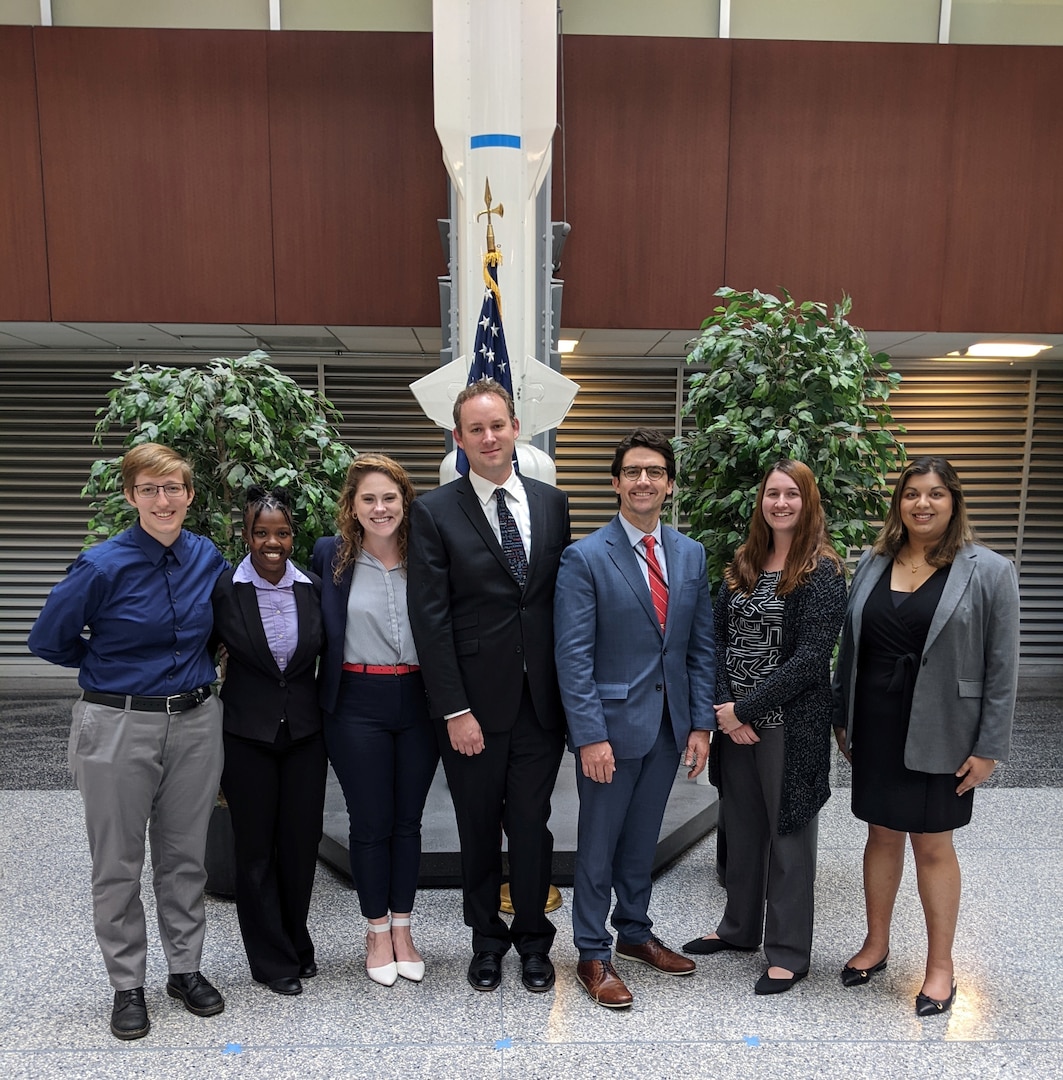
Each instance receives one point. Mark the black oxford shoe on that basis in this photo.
(485, 970)
(536, 972)
(289, 986)
(129, 1017)
(196, 992)
(308, 971)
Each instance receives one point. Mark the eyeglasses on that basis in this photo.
(633, 472)
(151, 491)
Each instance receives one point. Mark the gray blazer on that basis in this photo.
(964, 699)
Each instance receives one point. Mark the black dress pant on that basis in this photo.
(506, 786)
(276, 796)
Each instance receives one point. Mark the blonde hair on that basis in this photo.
(155, 460)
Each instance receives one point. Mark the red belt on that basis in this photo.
(382, 669)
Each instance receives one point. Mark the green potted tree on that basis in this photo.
(777, 378)
(239, 422)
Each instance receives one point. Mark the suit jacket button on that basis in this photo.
(282, 684)
(924, 661)
(659, 687)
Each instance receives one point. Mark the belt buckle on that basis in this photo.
(172, 697)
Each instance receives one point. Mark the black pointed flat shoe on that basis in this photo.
(928, 1006)
(706, 946)
(767, 985)
(859, 976)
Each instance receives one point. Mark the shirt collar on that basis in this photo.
(155, 552)
(246, 573)
(485, 489)
(635, 535)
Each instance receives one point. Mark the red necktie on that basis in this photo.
(658, 587)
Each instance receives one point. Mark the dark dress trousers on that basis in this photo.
(487, 645)
(274, 774)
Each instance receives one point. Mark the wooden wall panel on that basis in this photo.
(1004, 271)
(358, 179)
(839, 175)
(23, 254)
(156, 174)
(646, 145)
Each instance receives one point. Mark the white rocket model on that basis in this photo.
(495, 75)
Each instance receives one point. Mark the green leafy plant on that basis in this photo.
(784, 379)
(239, 422)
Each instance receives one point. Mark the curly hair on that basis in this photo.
(349, 527)
(894, 533)
(810, 543)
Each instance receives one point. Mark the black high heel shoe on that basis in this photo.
(859, 976)
(928, 1006)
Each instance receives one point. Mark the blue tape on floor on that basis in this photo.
(752, 1041)
(504, 1044)
(233, 1048)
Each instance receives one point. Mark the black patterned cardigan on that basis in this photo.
(800, 685)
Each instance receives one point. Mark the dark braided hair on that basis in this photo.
(259, 499)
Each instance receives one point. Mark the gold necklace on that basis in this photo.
(913, 567)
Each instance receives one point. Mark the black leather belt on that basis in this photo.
(175, 703)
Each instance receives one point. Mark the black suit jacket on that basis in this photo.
(476, 630)
(256, 693)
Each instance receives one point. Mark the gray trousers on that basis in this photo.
(770, 878)
(140, 771)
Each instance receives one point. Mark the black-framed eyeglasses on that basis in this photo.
(633, 472)
(151, 491)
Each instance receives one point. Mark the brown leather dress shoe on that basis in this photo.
(655, 953)
(600, 980)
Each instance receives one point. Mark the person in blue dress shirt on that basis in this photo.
(146, 739)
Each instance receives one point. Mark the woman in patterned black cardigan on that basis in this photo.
(777, 618)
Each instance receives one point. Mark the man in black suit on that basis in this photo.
(483, 557)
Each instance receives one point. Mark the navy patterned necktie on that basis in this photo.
(512, 545)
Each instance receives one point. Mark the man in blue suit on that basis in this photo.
(635, 662)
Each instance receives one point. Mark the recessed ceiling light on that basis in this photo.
(1007, 349)
(567, 345)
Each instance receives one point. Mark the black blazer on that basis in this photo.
(256, 693)
(476, 630)
(334, 614)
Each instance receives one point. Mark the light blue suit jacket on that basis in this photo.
(964, 700)
(614, 665)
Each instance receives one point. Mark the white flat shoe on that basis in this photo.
(388, 973)
(409, 969)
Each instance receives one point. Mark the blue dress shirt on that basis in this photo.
(148, 611)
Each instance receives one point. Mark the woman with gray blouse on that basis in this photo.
(377, 730)
(776, 621)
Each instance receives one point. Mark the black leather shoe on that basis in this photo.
(858, 976)
(485, 970)
(289, 986)
(308, 971)
(536, 972)
(706, 946)
(928, 1006)
(196, 992)
(129, 1017)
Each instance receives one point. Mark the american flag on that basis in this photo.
(490, 358)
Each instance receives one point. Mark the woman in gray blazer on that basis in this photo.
(924, 700)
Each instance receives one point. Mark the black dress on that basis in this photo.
(886, 793)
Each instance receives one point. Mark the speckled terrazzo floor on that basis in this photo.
(55, 999)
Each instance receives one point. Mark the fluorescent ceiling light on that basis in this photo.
(1007, 349)
(567, 345)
